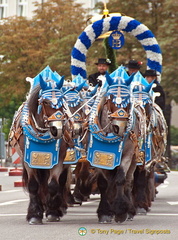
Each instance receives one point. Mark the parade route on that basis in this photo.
(159, 223)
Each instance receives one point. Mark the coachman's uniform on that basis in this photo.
(93, 79)
(133, 66)
(160, 100)
(102, 66)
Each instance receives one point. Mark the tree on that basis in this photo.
(47, 39)
(111, 54)
(174, 136)
(161, 17)
(27, 46)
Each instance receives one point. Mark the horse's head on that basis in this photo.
(73, 99)
(156, 128)
(143, 96)
(50, 105)
(90, 96)
(118, 102)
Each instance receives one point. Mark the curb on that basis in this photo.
(3, 169)
(15, 172)
(19, 183)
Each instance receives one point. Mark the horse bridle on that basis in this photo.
(78, 123)
(54, 123)
(118, 120)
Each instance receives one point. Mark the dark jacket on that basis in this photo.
(93, 79)
(161, 99)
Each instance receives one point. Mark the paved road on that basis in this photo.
(160, 223)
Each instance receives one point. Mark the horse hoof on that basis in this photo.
(141, 211)
(121, 218)
(63, 211)
(105, 219)
(35, 221)
(85, 198)
(52, 218)
(77, 201)
(130, 217)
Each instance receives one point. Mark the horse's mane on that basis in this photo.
(33, 100)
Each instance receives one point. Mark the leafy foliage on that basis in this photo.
(174, 136)
(27, 46)
(111, 54)
(161, 17)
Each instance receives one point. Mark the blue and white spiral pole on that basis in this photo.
(124, 23)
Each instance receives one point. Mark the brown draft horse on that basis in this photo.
(144, 176)
(78, 104)
(85, 175)
(116, 116)
(40, 123)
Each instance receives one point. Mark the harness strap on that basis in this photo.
(14, 136)
(72, 115)
(84, 135)
(101, 130)
(67, 138)
(134, 139)
(35, 124)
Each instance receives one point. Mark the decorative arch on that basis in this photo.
(124, 23)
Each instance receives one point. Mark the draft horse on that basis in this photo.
(38, 132)
(153, 149)
(115, 130)
(85, 174)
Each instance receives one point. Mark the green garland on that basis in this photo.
(111, 54)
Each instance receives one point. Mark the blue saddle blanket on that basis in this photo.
(73, 154)
(146, 148)
(104, 155)
(148, 144)
(41, 155)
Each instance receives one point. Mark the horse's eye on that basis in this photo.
(46, 103)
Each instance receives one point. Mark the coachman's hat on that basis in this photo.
(150, 72)
(134, 64)
(103, 61)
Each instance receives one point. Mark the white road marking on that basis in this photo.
(165, 184)
(81, 214)
(12, 214)
(89, 202)
(88, 214)
(11, 191)
(162, 214)
(13, 202)
(173, 203)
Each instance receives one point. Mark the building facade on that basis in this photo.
(25, 8)
(90, 4)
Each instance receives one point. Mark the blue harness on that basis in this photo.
(41, 150)
(145, 98)
(106, 151)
